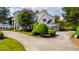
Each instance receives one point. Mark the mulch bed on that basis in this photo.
(75, 41)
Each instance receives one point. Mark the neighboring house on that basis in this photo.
(46, 18)
(5, 26)
(14, 23)
(40, 17)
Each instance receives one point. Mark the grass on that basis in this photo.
(26, 33)
(9, 44)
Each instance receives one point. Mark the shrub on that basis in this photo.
(34, 32)
(40, 29)
(66, 26)
(77, 32)
(35, 25)
(1, 35)
(51, 32)
(15, 30)
(61, 28)
(74, 28)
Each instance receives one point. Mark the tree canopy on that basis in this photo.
(25, 18)
(71, 14)
(57, 18)
(4, 13)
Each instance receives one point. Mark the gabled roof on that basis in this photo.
(39, 15)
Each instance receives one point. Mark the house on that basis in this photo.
(40, 17)
(5, 26)
(46, 18)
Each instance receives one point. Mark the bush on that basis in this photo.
(1, 35)
(51, 32)
(35, 25)
(34, 32)
(74, 28)
(40, 29)
(61, 28)
(77, 32)
(15, 30)
(66, 26)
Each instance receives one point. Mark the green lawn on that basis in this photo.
(26, 33)
(9, 44)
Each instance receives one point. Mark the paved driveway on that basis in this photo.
(60, 42)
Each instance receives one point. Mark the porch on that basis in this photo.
(5, 26)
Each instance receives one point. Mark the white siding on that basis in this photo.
(6, 26)
(45, 16)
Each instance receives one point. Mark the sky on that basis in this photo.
(51, 10)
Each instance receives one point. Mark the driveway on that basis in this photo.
(60, 43)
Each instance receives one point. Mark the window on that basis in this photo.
(44, 20)
(49, 21)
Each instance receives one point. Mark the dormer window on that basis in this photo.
(49, 21)
(44, 20)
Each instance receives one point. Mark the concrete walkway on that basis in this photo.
(59, 43)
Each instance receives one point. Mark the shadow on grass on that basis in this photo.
(2, 38)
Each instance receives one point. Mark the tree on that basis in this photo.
(4, 13)
(57, 18)
(10, 20)
(25, 19)
(71, 14)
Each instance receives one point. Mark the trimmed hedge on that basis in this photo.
(35, 25)
(51, 32)
(62, 28)
(40, 29)
(34, 32)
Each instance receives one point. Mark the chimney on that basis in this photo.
(36, 12)
(44, 10)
